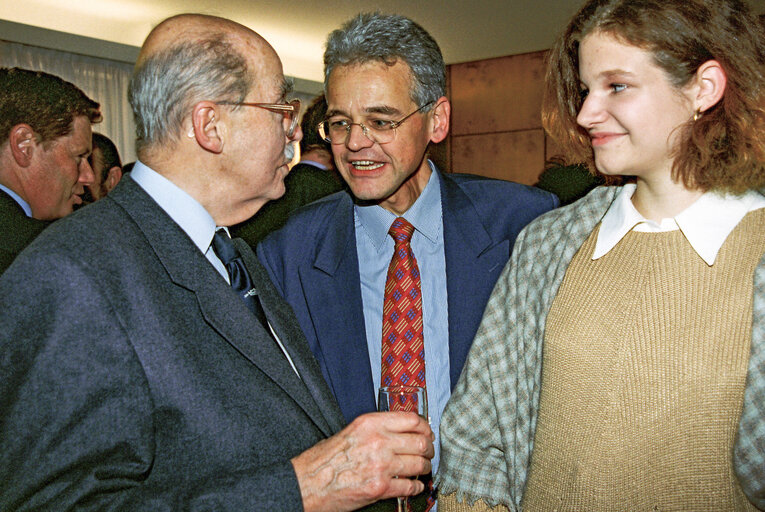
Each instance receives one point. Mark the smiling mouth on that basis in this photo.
(600, 139)
(366, 165)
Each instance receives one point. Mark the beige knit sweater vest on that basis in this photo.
(645, 360)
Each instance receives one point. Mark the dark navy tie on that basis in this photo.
(241, 282)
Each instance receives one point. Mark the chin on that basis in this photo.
(370, 189)
(62, 213)
(608, 169)
(278, 193)
(365, 195)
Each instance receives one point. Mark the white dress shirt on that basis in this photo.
(705, 224)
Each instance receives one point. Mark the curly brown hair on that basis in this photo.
(43, 101)
(725, 148)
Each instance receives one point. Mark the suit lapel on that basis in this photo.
(333, 295)
(222, 310)
(310, 390)
(472, 257)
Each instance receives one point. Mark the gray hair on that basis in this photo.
(387, 38)
(164, 87)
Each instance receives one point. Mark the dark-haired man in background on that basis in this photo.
(45, 140)
(107, 168)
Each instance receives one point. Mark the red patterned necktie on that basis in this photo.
(403, 352)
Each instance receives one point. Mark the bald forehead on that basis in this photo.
(186, 28)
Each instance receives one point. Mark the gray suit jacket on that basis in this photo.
(133, 378)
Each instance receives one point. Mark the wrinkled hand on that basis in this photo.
(358, 465)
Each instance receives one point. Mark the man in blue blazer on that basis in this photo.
(385, 86)
(132, 376)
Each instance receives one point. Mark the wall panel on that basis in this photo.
(497, 95)
(514, 156)
(496, 127)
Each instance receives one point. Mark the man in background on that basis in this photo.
(334, 261)
(107, 168)
(314, 150)
(146, 361)
(45, 140)
(310, 179)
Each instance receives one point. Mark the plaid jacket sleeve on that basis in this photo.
(487, 430)
(749, 454)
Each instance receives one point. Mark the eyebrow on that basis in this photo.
(610, 74)
(83, 150)
(382, 109)
(614, 72)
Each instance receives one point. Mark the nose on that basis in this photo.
(86, 174)
(591, 112)
(359, 140)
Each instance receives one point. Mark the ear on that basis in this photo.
(23, 142)
(112, 178)
(207, 127)
(710, 82)
(440, 119)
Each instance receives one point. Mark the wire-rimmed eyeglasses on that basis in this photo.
(381, 131)
(289, 110)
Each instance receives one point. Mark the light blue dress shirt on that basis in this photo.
(186, 211)
(24, 205)
(315, 164)
(375, 250)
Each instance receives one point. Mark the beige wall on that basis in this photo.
(496, 127)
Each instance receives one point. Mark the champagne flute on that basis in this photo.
(403, 398)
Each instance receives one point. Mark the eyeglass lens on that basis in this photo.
(379, 131)
(292, 116)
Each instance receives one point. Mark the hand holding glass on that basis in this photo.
(403, 398)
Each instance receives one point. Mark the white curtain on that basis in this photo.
(104, 81)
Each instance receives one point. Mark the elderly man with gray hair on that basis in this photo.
(146, 360)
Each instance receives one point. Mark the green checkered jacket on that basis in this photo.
(487, 430)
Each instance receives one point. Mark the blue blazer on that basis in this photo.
(313, 263)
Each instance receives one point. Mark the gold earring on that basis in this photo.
(697, 114)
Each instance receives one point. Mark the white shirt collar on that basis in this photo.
(705, 224)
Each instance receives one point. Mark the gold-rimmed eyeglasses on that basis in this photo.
(381, 131)
(289, 110)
